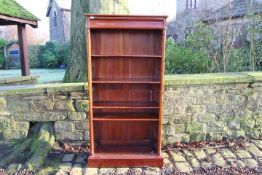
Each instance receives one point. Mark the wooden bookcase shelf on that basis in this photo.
(125, 75)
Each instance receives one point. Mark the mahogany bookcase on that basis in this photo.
(125, 76)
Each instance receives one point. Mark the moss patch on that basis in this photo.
(14, 9)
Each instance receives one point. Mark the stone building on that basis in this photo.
(234, 19)
(59, 13)
(221, 14)
(188, 12)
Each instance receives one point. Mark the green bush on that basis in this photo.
(3, 43)
(51, 55)
(181, 59)
(33, 56)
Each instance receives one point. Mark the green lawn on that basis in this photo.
(45, 75)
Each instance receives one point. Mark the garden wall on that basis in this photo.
(196, 107)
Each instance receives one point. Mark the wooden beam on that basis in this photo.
(33, 23)
(23, 50)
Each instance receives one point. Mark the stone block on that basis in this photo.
(66, 105)
(177, 157)
(183, 167)
(21, 125)
(194, 127)
(5, 123)
(234, 124)
(86, 136)
(40, 116)
(216, 126)
(218, 160)
(227, 153)
(43, 105)
(69, 136)
(68, 157)
(214, 108)
(255, 151)
(248, 123)
(14, 134)
(194, 163)
(17, 105)
(200, 154)
(77, 116)
(214, 136)
(178, 128)
(2, 103)
(82, 125)
(64, 126)
(196, 109)
(4, 112)
(254, 133)
(198, 136)
(242, 154)
(205, 118)
(82, 105)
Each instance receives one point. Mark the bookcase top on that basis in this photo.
(99, 21)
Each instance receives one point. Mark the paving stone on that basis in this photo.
(255, 151)
(251, 163)
(211, 151)
(106, 171)
(188, 154)
(242, 154)
(218, 160)
(68, 157)
(77, 169)
(177, 157)
(136, 171)
(65, 166)
(151, 171)
(207, 165)
(91, 171)
(194, 163)
(240, 163)
(183, 167)
(258, 143)
(122, 171)
(200, 154)
(227, 153)
(232, 162)
(80, 158)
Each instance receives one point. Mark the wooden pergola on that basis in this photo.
(12, 13)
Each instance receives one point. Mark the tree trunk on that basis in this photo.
(77, 65)
(37, 146)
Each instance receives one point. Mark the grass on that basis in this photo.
(45, 75)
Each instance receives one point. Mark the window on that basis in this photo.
(55, 18)
(191, 4)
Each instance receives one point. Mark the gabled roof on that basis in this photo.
(11, 11)
(239, 8)
(62, 4)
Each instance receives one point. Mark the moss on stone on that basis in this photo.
(13, 9)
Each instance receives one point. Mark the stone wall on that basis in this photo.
(196, 107)
(64, 104)
(212, 106)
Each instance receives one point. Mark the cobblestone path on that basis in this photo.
(179, 161)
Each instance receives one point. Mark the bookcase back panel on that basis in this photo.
(142, 42)
(107, 42)
(124, 68)
(126, 42)
(125, 93)
(107, 68)
(125, 133)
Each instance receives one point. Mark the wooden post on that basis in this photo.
(23, 49)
